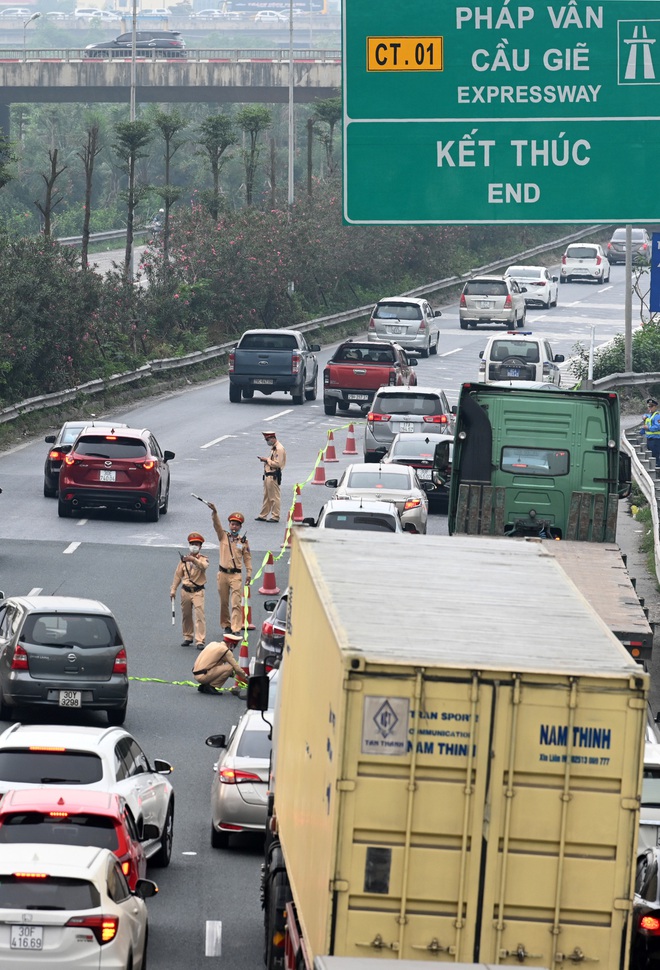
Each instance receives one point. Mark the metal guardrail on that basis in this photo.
(57, 398)
(100, 236)
(648, 486)
(627, 379)
(203, 55)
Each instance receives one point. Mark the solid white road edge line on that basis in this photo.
(70, 548)
(213, 938)
(216, 441)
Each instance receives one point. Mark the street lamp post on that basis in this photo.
(25, 23)
(291, 131)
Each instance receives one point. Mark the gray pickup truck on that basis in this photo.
(271, 361)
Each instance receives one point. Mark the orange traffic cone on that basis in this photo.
(319, 472)
(350, 448)
(269, 587)
(244, 659)
(250, 624)
(297, 507)
(330, 454)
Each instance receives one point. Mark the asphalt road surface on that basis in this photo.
(128, 564)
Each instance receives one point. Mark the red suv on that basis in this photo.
(115, 469)
(63, 817)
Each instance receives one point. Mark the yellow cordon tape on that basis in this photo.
(182, 683)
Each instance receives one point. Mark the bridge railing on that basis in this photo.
(231, 55)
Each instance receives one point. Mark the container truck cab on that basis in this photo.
(537, 463)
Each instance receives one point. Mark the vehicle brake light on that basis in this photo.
(44, 747)
(21, 660)
(232, 362)
(58, 814)
(267, 629)
(55, 455)
(462, 301)
(121, 663)
(233, 776)
(326, 376)
(148, 465)
(645, 245)
(296, 361)
(435, 418)
(507, 302)
(372, 324)
(650, 923)
(126, 868)
(104, 928)
(412, 503)
(111, 437)
(372, 416)
(422, 325)
(563, 259)
(598, 260)
(609, 245)
(30, 875)
(69, 460)
(393, 377)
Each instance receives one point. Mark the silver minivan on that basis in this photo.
(492, 299)
(409, 321)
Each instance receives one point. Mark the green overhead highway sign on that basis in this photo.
(525, 112)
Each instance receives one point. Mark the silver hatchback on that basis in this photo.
(407, 320)
(492, 299)
(240, 781)
(61, 651)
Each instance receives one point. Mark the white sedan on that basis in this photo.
(103, 759)
(270, 16)
(541, 286)
(387, 483)
(70, 906)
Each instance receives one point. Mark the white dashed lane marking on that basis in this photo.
(216, 441)
(448, 353)
(213, 938)
(70, 548)
(280, 414)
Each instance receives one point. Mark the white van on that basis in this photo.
(519, 355)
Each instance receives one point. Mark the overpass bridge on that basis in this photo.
(213, 76)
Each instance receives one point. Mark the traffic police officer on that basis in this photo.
(216, 664)
(273, 466)
(191, 575)
(234, 554)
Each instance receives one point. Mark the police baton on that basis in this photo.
(200, 499)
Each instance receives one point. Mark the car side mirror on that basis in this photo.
(481, 355)
(149, 832)
(413, 361)
(257, 692)
(523, 289)
(427, 486)
(454, 409)
(309, 521)
(270, 605)
(559, 358)
(162, 767)
(332, 483)
(145, 889)
(216, 741)
(169, 455)
(50, 438)
(65, 449)
(315, 347)
(555, 279)
(437, 313)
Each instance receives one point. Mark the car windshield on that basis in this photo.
(620, 234)
(581, 252)
(365, 355)
(486, 288)
(274, 341)
(31, 766)
(51, 892)
(378, 479)
(360, 521)
(398, 311)
(53, 829)
(528, 350)
(70, 630)
(534, 461)
(412, 449)
(414, 404)
(111, 447)
(526, 272)
(254, 744)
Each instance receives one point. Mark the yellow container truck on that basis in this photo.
(457, 759)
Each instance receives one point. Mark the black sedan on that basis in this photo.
(646, 912)
(430, 456)
(61, 445)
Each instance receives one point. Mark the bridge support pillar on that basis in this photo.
(4, 119)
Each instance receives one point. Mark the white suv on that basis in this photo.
(519, 356)
(584, 261)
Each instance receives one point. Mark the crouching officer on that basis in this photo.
(216, 664)
(191, 575)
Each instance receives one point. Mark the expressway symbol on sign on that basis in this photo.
(636, 55)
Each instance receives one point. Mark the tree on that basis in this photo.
(87, 155)
(7, 158)
(252, 119)
(170, 124)
(132, 139)
(50, 179)
(216, 135)
(328, 112)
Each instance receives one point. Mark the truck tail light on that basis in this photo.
(435, 419)
(651, 924)
(372, 416)
(104, 928)
(232, 362)
(21, 660)
(326, 376)
(393, 377)
(296, 361)
(507, 302)
(120, 665)
(234, 776)
(462, 301)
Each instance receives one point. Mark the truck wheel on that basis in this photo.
(248, 394)
(330, 407)
(464, 325)
(277, 893)
(234, 394)
(310, 392)
(343, 405)
(298, 395)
